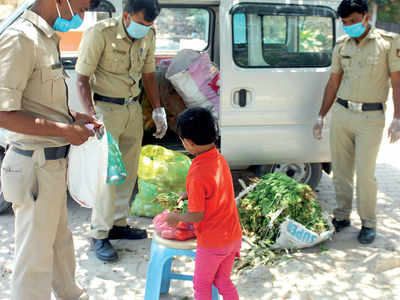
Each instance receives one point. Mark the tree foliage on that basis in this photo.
(381, 2)
(388, 10)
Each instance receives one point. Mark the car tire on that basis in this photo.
(308, 173)
(4, 205)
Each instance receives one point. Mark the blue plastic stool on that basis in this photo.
(159, 273)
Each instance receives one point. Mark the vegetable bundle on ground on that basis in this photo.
(281, 213)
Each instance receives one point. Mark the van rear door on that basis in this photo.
(275, 62)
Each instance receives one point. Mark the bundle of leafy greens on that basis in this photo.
(275, 198)
(172, 202)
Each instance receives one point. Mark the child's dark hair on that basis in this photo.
(198, 125)
(150, 8)
(347, 7)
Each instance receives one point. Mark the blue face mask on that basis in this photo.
(136, 30)
(64, 25)
(355, 30)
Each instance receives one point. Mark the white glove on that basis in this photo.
(160, 119)
(317, 129)
(394, 131)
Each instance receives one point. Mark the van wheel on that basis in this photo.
(4, 205)
(308, 173)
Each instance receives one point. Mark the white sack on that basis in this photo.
(294, 235)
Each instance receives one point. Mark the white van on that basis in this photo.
(274, 57)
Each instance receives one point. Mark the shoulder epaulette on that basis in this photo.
(112, 22)
(386, 34)
(342, 39)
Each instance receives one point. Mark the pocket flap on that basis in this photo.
(48, 73)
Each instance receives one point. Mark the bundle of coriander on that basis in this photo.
(275, 198)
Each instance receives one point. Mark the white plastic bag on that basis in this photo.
(195, 79)
(181, 62)
(87, 170)
(294, 235)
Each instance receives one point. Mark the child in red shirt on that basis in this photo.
(211, 206)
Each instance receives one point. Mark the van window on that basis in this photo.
(182, 28)
(283, 36)
(241, 32)
(274, 30)
(316, 34)
(240, 42)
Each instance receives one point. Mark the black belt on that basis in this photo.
(120, 101)
(51, 153)
(363, 106)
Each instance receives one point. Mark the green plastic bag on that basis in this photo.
(116, 172)
(160, 171)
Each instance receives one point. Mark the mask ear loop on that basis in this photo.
(70, 8)
(58, 10)
(364, 19)
(130, 20)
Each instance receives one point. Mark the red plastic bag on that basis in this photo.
(182, 232)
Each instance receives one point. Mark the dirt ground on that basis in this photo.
(341, 269)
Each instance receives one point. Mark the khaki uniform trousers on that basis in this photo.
(125, 123)
(355, 138)
(44, 249)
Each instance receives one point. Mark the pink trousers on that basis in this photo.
(214, 266)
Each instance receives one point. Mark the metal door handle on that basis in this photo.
(242, 97)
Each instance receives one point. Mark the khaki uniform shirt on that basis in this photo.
(366, 66)
(32, 77)
(114, 62)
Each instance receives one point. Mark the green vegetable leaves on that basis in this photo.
(171, 202)
(276, 198)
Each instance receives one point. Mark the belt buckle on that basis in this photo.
(130, 100)
(356, 106)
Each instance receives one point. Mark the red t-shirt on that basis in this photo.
(210, 190)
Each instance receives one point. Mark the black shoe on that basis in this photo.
(366, 235)
(104, 250)
(339, 225)
(126, 233)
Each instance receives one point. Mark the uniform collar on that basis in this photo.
(40, 23)
(372, 34)
(121, 33)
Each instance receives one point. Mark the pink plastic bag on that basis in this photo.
(196, 80)
(182, 232)
(206, 76)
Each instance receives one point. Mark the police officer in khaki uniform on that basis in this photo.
(33, 105)
(363, 64)
(113, 56)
